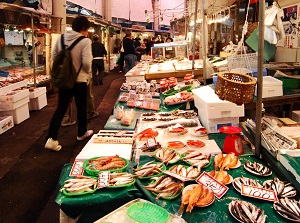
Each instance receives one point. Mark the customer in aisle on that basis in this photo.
(139, 51)
(90, 105)
(129, 52)
(67, 119)
(121, 59)
(99, 53)
(82, 60)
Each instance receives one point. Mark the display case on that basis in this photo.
(169, 50)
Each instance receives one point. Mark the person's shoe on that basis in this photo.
(53, 145)
(71, 122)
(92, 115)
(88, 134)
(120, 71)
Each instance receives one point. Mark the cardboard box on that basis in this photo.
(6, 123)
(19, 114)
(272, 87)
(210, 106)
(38, 103)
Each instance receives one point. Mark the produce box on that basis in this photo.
(271, 87)
(19, 114)
(6, 123)
(38, 103)
(37, 92)
(14, 96)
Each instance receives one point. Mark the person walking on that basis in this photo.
(129, 52)
(82, 59)
(121, 59)
(99, 52)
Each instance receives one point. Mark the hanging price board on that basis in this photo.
(218, 188)
(258, 192)
(77, 168)
(103, 179)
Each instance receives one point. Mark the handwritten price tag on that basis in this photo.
(151, 142)
(77, 168)
(218, 188)
(258, 192)
(120, 133)
(103, 179)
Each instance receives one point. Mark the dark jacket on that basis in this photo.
(98, 49)
(128, 46)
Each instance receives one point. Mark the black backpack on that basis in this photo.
(63, 74)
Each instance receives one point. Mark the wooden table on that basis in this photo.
(288, 99)
(179, 74)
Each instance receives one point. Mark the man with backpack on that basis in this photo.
(81, 57)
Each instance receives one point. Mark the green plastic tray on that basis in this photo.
(86, 167)
(145, 212)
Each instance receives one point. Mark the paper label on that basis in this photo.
(258, 192)
(103, 179)
(77, 168)
(151, 142)
(120, 133)
(217, 188)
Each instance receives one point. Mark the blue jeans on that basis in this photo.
(130, 61)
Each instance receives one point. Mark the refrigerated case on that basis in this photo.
(169, 50)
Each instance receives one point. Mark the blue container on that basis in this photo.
(4, 73)
(215, 78)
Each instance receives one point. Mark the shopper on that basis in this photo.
(99, 53)
(82, 59)
(129, 52)
(90, 106)
(139, 51)
(121, 59)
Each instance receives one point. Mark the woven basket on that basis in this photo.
(235, 87)
(251, 28)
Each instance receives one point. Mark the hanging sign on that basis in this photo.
(259, 192)
(210, 182)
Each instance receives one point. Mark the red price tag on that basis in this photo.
(258, 192)
(217, 188)
(103, 179)
(120, 133)
(77, 168)
(151, 142)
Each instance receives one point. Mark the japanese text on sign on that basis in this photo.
(103, 179)
(151, 142)
(218, 188)
(77, 169)
(258, 192)
(120, 133)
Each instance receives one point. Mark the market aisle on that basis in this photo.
(29, 173)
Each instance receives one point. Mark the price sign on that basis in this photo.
(218, 188)
(151, 142)
(258, 192)
(77, 168)
(120, 133)
(103, 179)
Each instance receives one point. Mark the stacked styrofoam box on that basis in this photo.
(215, 113)
(15, 103)
(272, 87)
(38, 98)
(6, 123)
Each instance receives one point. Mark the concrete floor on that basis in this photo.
(29, 173)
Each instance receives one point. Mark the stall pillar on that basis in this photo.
(59, 10)
(48, 55)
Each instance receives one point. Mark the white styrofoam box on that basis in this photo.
(14, 95)
(296, 116)
(37, 92)
(19, 114)
(8, 105)
(10, 87)
(272, 87)
(213, 125)
(6, 123)
(38, 103)
(209, 105)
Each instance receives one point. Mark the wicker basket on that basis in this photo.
(251, 28)
(235, 87)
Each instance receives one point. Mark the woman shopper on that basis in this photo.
(82, 58)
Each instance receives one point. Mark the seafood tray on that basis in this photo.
(120, 214)
(114, 137)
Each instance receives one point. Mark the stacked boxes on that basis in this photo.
(15, 103)
(215, 113)
(272, 87)
(38, 98)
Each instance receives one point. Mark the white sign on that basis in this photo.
(259, 192)
(217, 187)
(103, 179)
(77, 168)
